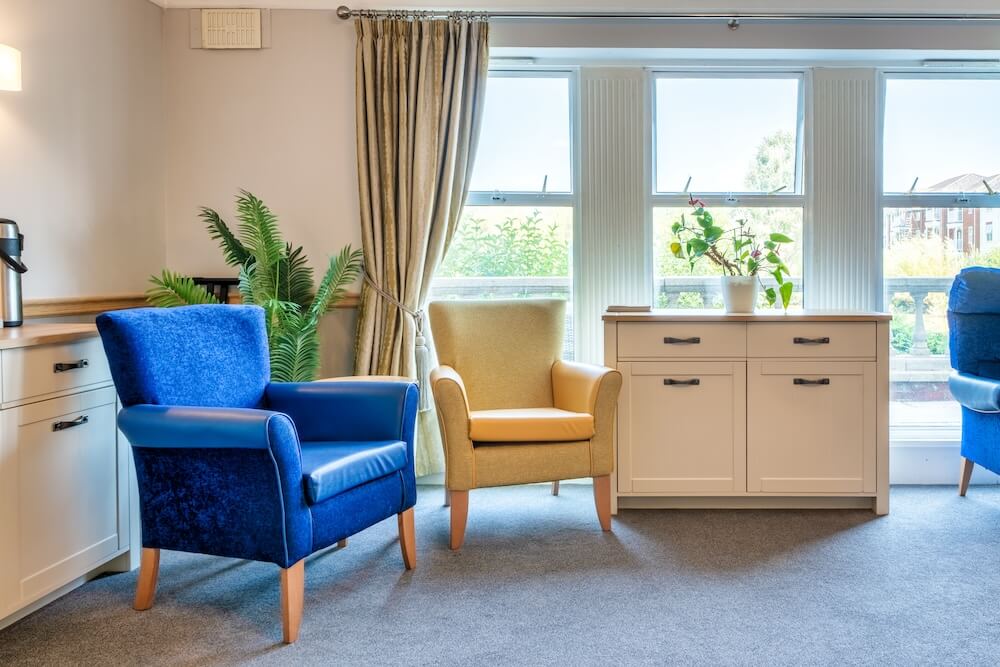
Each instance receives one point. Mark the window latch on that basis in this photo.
(731, 198)
(498, 197)
(962, 199)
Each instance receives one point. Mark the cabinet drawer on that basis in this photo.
(46, 369)
(682, 428)
(66, 466)
(812, 339)
(681, 340)
(811, 427)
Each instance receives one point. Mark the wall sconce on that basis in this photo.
(10, 68)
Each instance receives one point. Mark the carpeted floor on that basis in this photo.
(538, 583)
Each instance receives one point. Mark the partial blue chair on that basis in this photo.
(974, 325)
(231, 464)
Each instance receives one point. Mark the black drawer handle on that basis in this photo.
(63, 366)
(825, 340)
(62, 426)
(670, 382)
(693, 340)
(803, 381)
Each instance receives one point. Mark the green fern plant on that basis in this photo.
(274, 275)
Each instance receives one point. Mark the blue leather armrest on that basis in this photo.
(355, 411)
(975, 392)
(197, 427)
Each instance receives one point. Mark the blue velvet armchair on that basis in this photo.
(231, 464)
(974, 325)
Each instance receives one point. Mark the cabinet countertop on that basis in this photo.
(29, 335)
(700, 315)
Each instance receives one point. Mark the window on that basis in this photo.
(931, 230)
(515, 238)
(733, 141)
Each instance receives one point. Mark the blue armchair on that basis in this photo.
(231, 464)
(974, 325)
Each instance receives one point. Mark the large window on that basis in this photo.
(941, 165)
(515, 238)
(734, 143)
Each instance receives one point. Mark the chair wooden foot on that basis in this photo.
(342, 543)
(967, 467)
(149, 570)
(459, 517)
(602, 500)
(407, 538)
(447, 497)
(555, 488)
(293, 584)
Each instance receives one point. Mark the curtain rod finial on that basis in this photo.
(344, 12)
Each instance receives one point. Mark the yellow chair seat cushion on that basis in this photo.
(530, 425)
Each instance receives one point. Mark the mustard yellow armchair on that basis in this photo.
(511, 411)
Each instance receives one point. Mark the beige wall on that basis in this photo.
(81, 147)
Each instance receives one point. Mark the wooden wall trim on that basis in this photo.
(93, 305)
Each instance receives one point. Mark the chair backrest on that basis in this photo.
(503, 349)
(207, 356)
(974, 321)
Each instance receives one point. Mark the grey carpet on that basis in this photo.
(538, 583)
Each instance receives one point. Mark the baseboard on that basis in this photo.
(930, 462)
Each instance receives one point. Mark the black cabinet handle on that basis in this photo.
(825, 340)
(670, 340)
(803, 381)
(670, 382)
(63, 366)
(62, 426)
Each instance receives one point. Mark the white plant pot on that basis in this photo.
(739, 293)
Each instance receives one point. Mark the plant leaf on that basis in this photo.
(342, 271)
(173, 289)
(781, 238)
(786, 294)
(234, 251)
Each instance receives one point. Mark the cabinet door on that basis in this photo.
(67, 488)
(811, 427)
(682, 428)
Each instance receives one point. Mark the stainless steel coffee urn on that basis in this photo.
(11, 268)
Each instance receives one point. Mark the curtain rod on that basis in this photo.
(732, 19)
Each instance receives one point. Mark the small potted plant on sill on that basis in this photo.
(741, 255)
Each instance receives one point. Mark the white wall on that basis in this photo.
(81, 147)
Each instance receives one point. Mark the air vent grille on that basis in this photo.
(230, 29)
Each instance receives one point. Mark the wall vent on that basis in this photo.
(231, 29)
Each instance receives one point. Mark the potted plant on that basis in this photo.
(739, 253)
(275, 276)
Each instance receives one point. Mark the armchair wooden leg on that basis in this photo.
(293, 584)
(967, 467)
(555, 488)
(459, 517)
(342, 543)
(447, 497)
(149, 569)
(602, 500)
(407, 538)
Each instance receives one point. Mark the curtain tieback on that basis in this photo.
(421, 352)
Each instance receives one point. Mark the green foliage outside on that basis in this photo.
(517, 246)
(274, 275)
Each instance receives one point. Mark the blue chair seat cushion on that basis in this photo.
(975, 392)
(330, 468)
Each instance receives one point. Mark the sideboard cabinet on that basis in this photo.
(64, 473)
(767, 410)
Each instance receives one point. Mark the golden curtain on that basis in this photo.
(421, 85)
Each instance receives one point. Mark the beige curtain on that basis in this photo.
(420, 91)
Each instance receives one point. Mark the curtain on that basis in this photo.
(421, 85)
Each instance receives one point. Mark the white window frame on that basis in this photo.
(540, 199)
(796, 199)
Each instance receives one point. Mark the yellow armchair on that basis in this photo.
(511, 410)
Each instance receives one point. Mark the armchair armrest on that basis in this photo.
(368, 410)
(221, 481)
(452, 403)
(575, 386)
(975, 392)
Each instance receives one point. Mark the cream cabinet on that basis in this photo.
(765, 410)
(64, 474)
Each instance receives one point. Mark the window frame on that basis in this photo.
(523, 198)
(796, 199)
